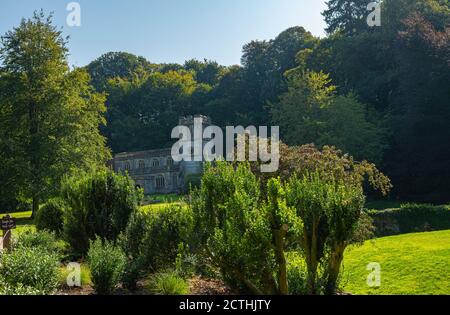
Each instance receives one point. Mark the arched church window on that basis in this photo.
(160, 182)
(141, 164)
(155, 163)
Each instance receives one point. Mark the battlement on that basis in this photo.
(189, 120)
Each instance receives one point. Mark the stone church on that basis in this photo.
(155, 171)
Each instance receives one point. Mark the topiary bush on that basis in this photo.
(107, 263)
(411, 218)
(100, 204)
(50, 216)
(29, 270)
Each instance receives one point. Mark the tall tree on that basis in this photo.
(311, 112)
(50, 112)
(346, 16)
(117, 65)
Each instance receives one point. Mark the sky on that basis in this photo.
(166, 31)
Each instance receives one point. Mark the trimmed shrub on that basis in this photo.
(50, 216)
(411, 218)
(167, 228)
(28, 270)
(106, 262)
(131, 243)
(100, 204)
(169, 284)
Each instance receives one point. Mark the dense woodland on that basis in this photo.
(380, 94)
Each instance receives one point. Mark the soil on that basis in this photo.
(198, 286)
(201, 286)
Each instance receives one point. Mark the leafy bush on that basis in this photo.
(99, 204)
(27, 270)
(134, 270)
(154, 236)
(106, 262)
(43, 240)
(7, 289)
(50, 216)
(167, 228)
(169, 284)
(410, 218)
(241, 234)
(297, 275)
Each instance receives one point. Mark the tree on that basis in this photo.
(346, 16)
(298, 112)
(243, 234)
(330, 210)
(206, 72)
(310, 112)
(117, 65)
(326, 188)
(51, 113)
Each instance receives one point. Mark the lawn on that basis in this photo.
(410, 264)
(23, 222)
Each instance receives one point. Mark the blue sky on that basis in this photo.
(170, 30)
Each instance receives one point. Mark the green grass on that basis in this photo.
(159, 206)
(383, 204)
(23, 222)
(416, 264)
(85, 276)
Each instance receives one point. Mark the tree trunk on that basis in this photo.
(34, 155)
(312, 261)
(334, 267)
(281, 259)
(35, 208)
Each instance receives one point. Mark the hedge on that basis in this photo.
(411, 218)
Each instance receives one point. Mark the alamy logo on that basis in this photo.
(74, 17)
(374, 17)
(207, 144)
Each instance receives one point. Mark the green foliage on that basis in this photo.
(192, 181)
(133, 272)
(166, 229)
(297, 274)
(332, 214)
(242, 237)
(65, 272)
(19, 289)
(410, 218)
(169, 284)
(311, 112)
(107, 263)
(114, 65)
(29, 270)
(152, 238)
(49, 114)
(100, 204)
(50, 216)
(42, 240)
